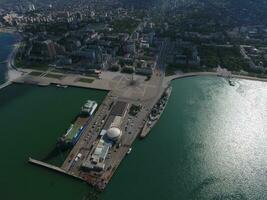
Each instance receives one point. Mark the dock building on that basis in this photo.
(97, 160)
(109, 136)
(75, 131)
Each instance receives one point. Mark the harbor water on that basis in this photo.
(32, 119)
(210, 143)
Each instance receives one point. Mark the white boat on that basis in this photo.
(62, 86)
(129, 151)
(89, 107)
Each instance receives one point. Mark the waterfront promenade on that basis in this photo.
(168, 79)
(120, 84)
(116, 82)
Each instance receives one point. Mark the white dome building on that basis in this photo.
(114, 133)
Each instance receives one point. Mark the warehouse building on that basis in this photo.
(110, 135)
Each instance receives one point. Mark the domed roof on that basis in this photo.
(114, 133)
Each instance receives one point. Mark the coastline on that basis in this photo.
(185, 75)
(12, 72)
(7, 30)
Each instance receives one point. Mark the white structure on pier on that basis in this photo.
(114, 134)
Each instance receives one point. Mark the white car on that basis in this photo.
(79, 155)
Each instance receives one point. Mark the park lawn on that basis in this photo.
(86, 80)
(56, 76)
(35, 73)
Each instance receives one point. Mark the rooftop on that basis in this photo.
(119, 108)
(72, 131)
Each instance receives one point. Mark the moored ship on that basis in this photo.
(76, 129)
(89, 108)
(156, 112)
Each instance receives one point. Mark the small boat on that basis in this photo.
(129, 151)
(231, 82)
(62, 86)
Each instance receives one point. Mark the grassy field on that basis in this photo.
(86, 80)
(56, 76)
(35, 73)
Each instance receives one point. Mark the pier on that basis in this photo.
(51, 167)
(168, 79)
(113, 112)
(46, 165)
(108, 136)
(5, 85)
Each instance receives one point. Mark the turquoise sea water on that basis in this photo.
(7, 41)
(210, 143)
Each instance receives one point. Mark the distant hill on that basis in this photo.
(140, 3)
(251, 6)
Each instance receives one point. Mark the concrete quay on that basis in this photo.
(50, 167)
(131, 125)
(120, 84)
(168, 79)
(122, 88)
(46, 165)
(66, 80)
(5, 84)
(90, 138)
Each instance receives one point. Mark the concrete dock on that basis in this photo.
(5, 85)
(121, 89)
(88, 141)
(86, 145)
(51, 167)
(46, 165)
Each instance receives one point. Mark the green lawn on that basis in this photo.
(86, 80)
(35, 73)
(56, 76)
